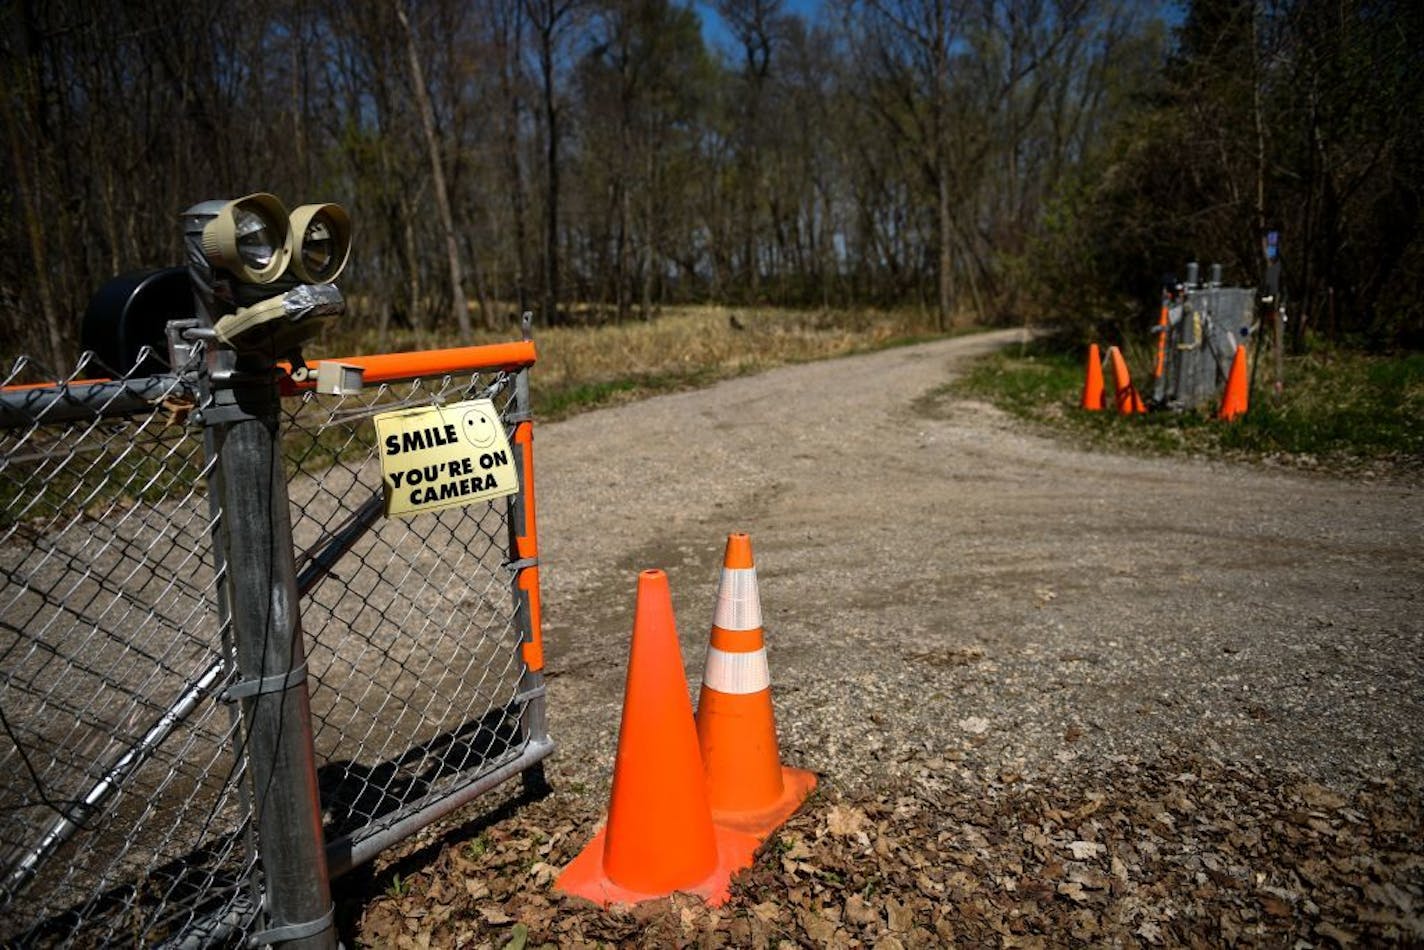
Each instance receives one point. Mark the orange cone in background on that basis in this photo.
(1125, 397)
(659, 837)
(1163, 324)
(1093, 383)
(1237, 397)
(748, 787)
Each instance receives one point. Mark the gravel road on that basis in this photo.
(945, 590)
(1056, 698)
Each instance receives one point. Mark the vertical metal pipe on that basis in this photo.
(223, 592)
(271, 662)
(243, 419)
(524, 550)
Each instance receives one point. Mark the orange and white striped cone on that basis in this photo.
(748, 787)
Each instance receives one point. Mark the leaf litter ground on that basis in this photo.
(1179, 851)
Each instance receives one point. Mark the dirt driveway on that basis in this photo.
(1056, 698)
(935, 579)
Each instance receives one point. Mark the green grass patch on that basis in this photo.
(1338, 410)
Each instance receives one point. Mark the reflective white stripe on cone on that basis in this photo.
(747, 786)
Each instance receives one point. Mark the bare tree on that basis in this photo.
(507, 20)
(550, 20)
(437, 175)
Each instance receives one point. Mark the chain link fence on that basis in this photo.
(412, 632)
(134, 773)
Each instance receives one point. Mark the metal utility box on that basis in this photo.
(1205, 325)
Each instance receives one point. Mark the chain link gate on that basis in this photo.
(410, 621)
(129, 754)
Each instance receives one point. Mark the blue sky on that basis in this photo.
(716, 34)
(1173, 12)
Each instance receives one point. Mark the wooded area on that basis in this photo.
(595, 159)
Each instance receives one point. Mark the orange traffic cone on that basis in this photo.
(659, 837)
(1237, 397)
(1126, 397)
(748, 787)
(1093, 383)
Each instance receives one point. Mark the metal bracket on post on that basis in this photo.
(223, 414)
(289, 932)
(239, 396)
(265, 684)
(181, 345)
(338, 379)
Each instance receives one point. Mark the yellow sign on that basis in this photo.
(439, 457)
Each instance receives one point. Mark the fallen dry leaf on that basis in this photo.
(1177, 851)
(858, 911)
(817, 927)
(845, 822)
(974, 725)
(898, 916)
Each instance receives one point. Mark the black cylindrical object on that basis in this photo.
(131, 311)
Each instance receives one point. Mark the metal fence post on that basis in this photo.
(524, 548)
(243, 417)
(271, 660)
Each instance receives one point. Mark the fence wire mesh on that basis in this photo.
(412, 640)
(122, 818)
(124, 808)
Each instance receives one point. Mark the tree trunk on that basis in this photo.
(939, 121)
(621, 267)
(944, 298)
(412, 262)
(437, 172)
(650, 191)
(551, 203)
(34, 218)
(519, 199)
(482, 292)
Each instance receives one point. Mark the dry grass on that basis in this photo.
(585, 366)
(702, 339)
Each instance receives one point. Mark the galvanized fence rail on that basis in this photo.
(150, 708)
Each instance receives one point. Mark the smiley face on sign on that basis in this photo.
(479, 428)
